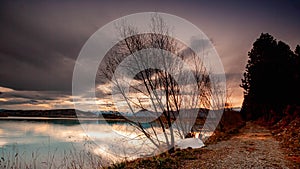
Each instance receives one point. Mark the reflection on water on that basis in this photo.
(47, 136)
(112, 140)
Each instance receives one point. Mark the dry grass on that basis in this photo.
(72, 159)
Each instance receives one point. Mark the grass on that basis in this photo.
(72, 159)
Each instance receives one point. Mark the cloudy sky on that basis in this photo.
(40, 40)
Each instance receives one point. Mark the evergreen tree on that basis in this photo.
(269, 81)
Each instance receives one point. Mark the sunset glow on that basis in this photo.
(41, 41)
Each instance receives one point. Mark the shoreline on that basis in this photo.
(59, 118)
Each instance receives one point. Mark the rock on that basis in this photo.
(190, 142)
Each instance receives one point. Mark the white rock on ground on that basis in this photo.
(190, 142)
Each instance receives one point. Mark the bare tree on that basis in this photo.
(155, 82)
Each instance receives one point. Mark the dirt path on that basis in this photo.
(253, 148)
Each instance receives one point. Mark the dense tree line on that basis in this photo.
(271, 79)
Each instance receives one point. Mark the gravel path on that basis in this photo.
(254, 147)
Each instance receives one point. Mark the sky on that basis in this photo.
(41, 40)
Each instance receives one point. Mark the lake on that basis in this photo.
(57, 142)
(35, 142)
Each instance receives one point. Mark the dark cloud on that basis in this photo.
(18, 102)
(40, 40)
(14, 99)
(40, 43)
(33, 95)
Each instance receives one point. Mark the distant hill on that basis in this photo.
(62, 113)
(71, 113)
(59, 113)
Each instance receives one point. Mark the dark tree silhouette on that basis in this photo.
(296, 75)
(270, 81)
